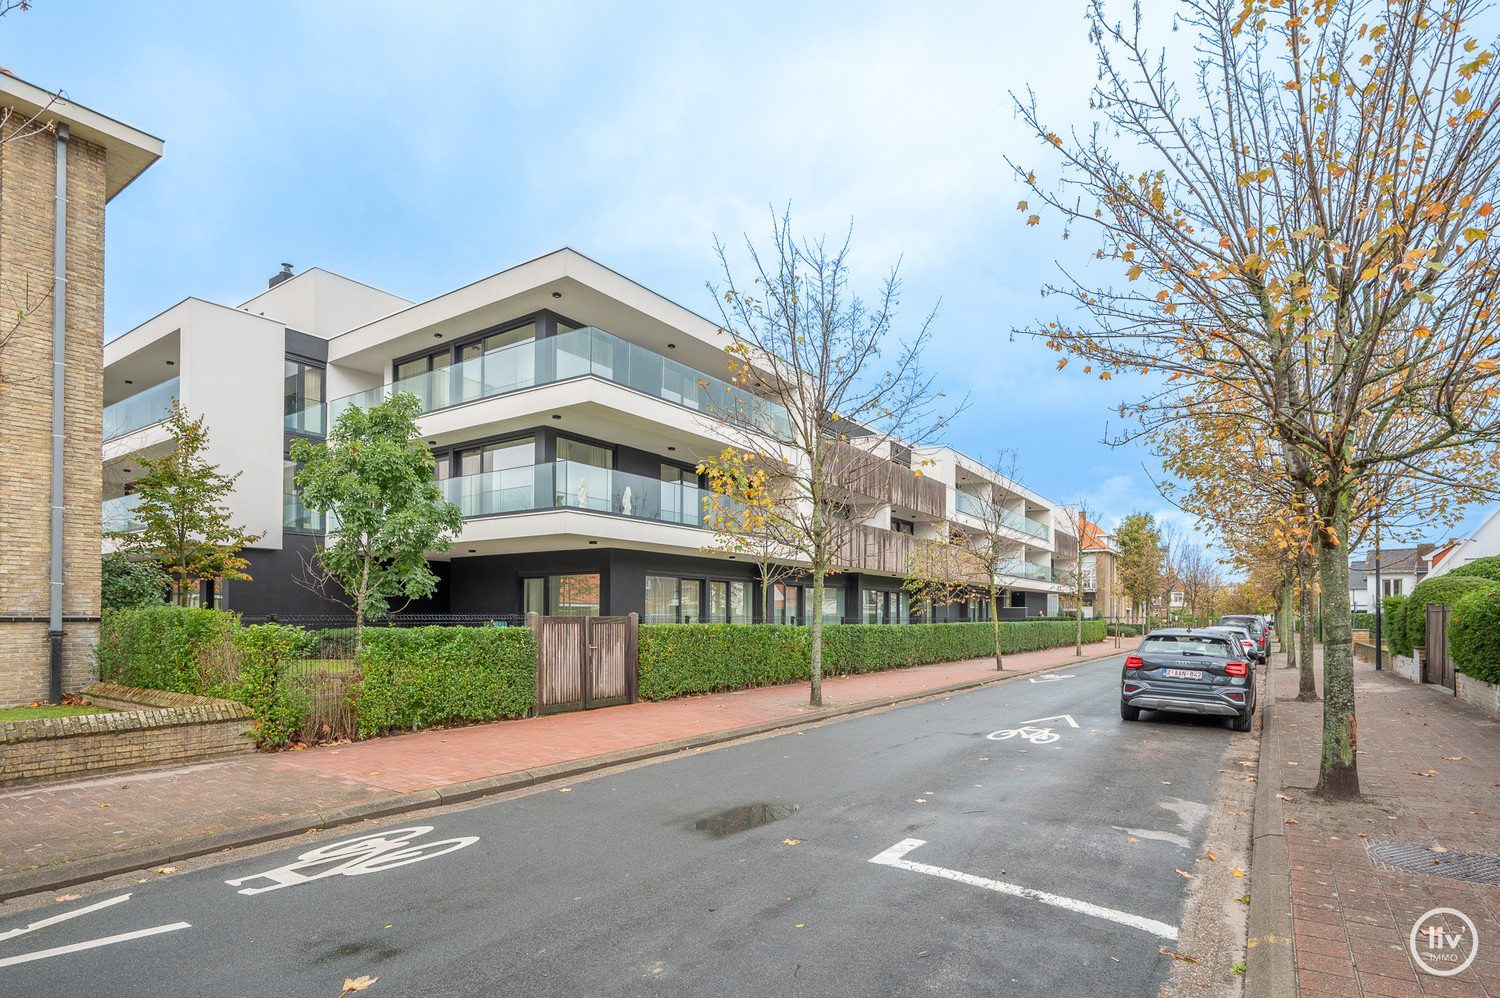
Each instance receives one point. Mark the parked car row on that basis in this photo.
(1198, 670)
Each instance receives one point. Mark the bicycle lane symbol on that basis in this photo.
(356, 857)
(1028, 732)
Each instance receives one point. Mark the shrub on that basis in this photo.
(263, 684)
(126, 584)
(1442, 589)
(1393, 625)
(1474, 634)
(167, 648)
(677, 660)
(436, 675)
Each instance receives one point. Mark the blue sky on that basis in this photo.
(418, 147)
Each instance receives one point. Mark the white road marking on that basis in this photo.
(1189, 813)
(355, 857)
(1036, 736)
(11, 934)
(894, 857)
(1054, 717)
(11, 961)
(1048, 678)
(1146, 833)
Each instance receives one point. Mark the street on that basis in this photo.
(1017, 840)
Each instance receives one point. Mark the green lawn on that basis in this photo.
(34, 713)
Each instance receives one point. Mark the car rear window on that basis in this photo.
(1188, 644)
(1249, 622)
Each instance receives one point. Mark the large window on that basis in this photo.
(679, 496)
(783, 609)
(304, 386)
(574, 595)
(670, 600)
(579, 452)
(833, 606)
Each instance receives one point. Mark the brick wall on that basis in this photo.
(27, 170)
(1485, 696)
(170, 727)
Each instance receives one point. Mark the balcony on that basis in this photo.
(587, 352)
(1028, 570)
(885, 480)
(982, 510)
(309, 422)
(570, 485)
(140, 410)
(296, 516)
(119, 514)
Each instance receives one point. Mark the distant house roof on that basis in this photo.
(1356, 578)
(1095, 539)
(1405, 561)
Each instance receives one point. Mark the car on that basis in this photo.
(1258, 629)
(1247, 641)
(1191, 671)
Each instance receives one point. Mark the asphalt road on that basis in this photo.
(612, 888)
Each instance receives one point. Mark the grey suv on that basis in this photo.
(1258, 628)
(1191, 671)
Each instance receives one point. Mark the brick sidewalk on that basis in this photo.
(45, 825)
(1429, 768)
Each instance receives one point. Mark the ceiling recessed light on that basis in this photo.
(671, 346)
(593, 542)
(129, 382)
(557, 294)
(556, 416)
(171, 362)
(127, 471)
(671, 448)
(437, 336)
(431, 443)
(473, 550)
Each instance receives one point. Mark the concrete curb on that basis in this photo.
(49, 878)
(1269, 968)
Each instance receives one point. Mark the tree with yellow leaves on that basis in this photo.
(1315, 234)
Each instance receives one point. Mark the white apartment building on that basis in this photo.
(566, 407)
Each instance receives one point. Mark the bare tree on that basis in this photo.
(832, 389)
(1314, 231)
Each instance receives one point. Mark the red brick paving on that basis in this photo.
(1351, 918)
(49, 824)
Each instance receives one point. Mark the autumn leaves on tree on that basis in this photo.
(1306, 239)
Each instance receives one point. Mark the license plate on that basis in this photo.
(1181, 674)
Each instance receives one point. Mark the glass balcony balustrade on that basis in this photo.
(311, 421)
(571, 485)
(142, 409)
(296, 516)
(579, 353)
(982, 510)
(119, 513)
(1027, 570)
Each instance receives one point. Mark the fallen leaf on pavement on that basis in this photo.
(1236, 812)
(1178, 956)
(1115, 959)
(1129, 839)
(1166, 783)
(1237, 872)
(564, 790)
(1363, 835)
(791, 842)
(1454, 758)
(1291, 764)
(373, 774)
(104, 805)
(68, 897)
(1209, 855)
(1282, 797)
(1289, 821)
(1244, 763)
(1184, 873)
(166, 869)
(800, 925)
(358, 984)
(1438, 849)
(919, 800)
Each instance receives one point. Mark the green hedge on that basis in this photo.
(677, 660)
(1481, 568)
(166, 648)
(1442, 589)
(1474, 634)
(436, 675)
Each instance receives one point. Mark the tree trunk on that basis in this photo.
(815, 650)
(1307, 687)
(995, 613)
(1285, 634)
(1338, 775)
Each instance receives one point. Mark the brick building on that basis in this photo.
(53, 151)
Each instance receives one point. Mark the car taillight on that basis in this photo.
(1236, 669)
(1134, 662)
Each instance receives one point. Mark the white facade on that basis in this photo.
(567, 408)
(1484, 544)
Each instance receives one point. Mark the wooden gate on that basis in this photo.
(585, 662)
(1437, 665)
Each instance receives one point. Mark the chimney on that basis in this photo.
(285, 275)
